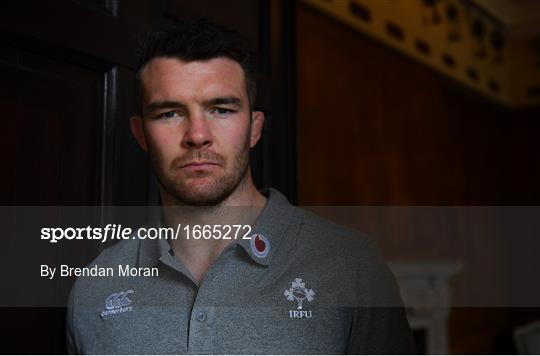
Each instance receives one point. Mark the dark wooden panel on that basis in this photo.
(76, 26)
(378, 128)
(56, 137)
(280, 161)
(56, 114)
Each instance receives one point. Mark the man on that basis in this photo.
(296, 284)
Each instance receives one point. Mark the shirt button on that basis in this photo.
(201, 316)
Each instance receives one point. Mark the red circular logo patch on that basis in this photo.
(260, 246)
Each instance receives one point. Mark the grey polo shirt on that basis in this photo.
(304, 285)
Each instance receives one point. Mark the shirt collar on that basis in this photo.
(272, 223)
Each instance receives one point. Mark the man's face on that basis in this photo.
(196, 127)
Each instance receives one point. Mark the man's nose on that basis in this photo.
(198, 133)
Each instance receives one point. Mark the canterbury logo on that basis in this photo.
(117, 303)
(117, 300)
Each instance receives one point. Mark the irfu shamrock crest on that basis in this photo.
(299, 292)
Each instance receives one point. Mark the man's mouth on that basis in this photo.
(200, 164)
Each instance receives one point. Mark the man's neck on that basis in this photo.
(242, 208)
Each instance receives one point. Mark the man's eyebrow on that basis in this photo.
(226, 100)
(167, 104)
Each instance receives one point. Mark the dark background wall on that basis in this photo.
(376, 128)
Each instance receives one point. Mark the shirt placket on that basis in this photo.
(202, 317)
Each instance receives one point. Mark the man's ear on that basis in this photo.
(138, 131)
(257, 123)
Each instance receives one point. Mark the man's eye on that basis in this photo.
(168, 115)
(223, 111)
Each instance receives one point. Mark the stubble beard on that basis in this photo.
(215, 191)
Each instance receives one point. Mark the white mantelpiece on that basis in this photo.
(426, 294)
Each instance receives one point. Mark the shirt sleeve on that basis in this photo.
(379, 322)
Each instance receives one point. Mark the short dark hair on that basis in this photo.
(198, 40)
